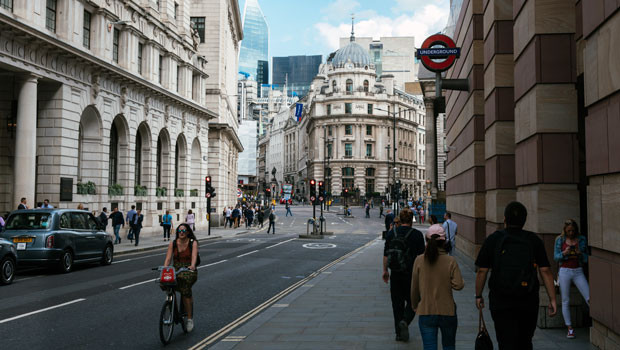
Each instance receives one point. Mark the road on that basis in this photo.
(118, 306)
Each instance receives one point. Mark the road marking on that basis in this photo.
(319, 245)
(244, 318)
(42, 310)
(28, 278)
(234, 338)
(280, 305)
(139, 283)
(242, 255)
(211, 264)
(277, 244)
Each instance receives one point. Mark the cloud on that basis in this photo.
(425, 20)
(339, 9)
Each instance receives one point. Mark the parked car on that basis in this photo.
(8, 261)
(60, 237)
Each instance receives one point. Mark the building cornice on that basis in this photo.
(226, 128)
(237, 19)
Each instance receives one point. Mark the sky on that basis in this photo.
(313, 27)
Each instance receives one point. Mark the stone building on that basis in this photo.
(103, 105)
(538, 126)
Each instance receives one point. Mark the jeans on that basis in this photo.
(576, 276)
(400, 291)
(429, 324)
(514, 327)
(136, 234)
(288, 211)
(118, 237)
(271, 224)
(167, 231)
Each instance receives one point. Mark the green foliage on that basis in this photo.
(86, 188)
(140, 190)
(115, 190)
(193, 192)
(179, 193)
(161, 191)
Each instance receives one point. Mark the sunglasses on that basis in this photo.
(182, 231)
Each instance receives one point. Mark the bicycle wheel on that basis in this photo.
(166, 322)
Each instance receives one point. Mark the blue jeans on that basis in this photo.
(429, 324)
(116, 229)
(288, 211)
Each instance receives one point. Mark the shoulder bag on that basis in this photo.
(483, 340)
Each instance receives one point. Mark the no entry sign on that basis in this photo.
(440, 47)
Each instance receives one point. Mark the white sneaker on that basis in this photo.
(189, 325)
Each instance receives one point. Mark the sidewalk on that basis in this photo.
(348, 306)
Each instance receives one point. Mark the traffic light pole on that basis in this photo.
(209, 214)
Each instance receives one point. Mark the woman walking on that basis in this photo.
(570, 253)
(190, 219)
(435, 275)
(166, 223)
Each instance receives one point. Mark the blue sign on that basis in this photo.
(298, 110)
(439, 52)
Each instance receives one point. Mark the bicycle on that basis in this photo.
(170, 314)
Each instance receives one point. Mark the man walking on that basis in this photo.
(103, 218)
(450, 227)
(272, 222)
(137, 225)
(228, 213)
(117, 222)
(513, 256)
(402, 245)
(381, 210)
(22, 204)
(288, 209)
(389, 219)
(367, 210)
(130, 217)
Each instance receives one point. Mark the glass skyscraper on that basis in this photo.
(255, 44)
(297, 72)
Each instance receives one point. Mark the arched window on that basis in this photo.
(349, 85)
(365, 85)
(159, 160)
(138, 158)
(80, 141)
(113, 167)
(176, 165)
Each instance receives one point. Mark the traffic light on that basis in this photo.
(312, 190)
(346, 191)
(209, 190)
(268, 192)
(321, 191)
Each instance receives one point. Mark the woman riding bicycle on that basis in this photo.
(180, 253)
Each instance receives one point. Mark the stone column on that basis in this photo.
(430, 149)
(25, 141)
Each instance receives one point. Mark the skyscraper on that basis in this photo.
(296, 71)
(255, 44)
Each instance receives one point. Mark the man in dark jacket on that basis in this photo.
(400, 279)
(389, 219)
(136, 225)
(117, 221)
(103, 218)
(272, 223)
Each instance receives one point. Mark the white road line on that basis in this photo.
(27, 278)
(242, 255)
(137, 284)
(211, 264)
(42, 310)
(122, 261)
(277, 244)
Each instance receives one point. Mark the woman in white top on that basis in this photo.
(191, 219)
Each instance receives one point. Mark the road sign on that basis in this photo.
(239, 193)
(312, 198)
(208, 195)
(438, 46)
(321, 198)
(298, 111)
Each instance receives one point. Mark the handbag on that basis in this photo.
(483, 340)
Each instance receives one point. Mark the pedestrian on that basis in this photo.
(435, 275)
(260, 216)
(272, 222)
(80, 206)
(249, 217)
(389, 218)
(513, 255)
(130, 219)
(381, 210)
(137, 225)
(46, 204)
(103, 218)
(367, 210)
(288, 209)
(228, 218)
(190, 219)
(451, 229)
(166, 223)
(570, 252)
(236, 216)
(402, 245)
(117, 222)
(22, 204)
(422, 215)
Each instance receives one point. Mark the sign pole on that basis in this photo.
(209, 214)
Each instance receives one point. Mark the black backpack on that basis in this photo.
(190, 246)
(514, 265)
(399, 253)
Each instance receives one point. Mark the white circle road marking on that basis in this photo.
(319, 245)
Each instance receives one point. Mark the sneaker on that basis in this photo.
(189, 325)
(398, 338)
(404, 330)
(571, 334)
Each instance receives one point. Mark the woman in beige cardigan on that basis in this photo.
(435, 275)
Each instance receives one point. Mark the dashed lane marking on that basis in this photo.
(277, 244)
(42, 310)
(242, 255)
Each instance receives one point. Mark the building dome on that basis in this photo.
(352, 52)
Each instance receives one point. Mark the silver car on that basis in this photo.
(60, 237)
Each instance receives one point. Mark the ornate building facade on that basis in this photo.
(103, 103)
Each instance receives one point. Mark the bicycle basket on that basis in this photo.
(168, 276)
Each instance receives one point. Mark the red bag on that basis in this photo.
(168, 276)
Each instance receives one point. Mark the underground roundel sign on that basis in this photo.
(438, 53)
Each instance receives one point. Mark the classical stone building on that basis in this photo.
(539, 125)
(103, 105)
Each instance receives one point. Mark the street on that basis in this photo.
(118, 306)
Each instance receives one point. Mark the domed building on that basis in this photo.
(352, 120)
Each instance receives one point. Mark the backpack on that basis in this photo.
(272, 217)
(514, 266)
(190, 246)
(399, 254)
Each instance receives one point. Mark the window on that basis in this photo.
(138, 159)
(140, 51)
(349, 85)
(348, 150)
(348, 172)
(79, 221)
(159, 161)
(176, 10)
(177, 159)
(370, 172)
(179, 78)
(161, 68)
(365, 85)
(348, 183)
(348, 108)
(50, 15)
(7, 4)
(370, 109)
(369, 130)
(86, 30)
(113, 156)
(92, 224)
(348, 129)
(115, 40)
(329, 150)
(369, 150)
(334, 85)
(329, 109)
(370, 186)
(199, 25)
(330, 130)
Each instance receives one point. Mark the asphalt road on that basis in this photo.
(118, 306)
